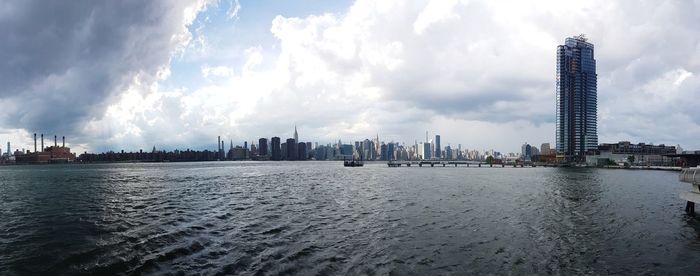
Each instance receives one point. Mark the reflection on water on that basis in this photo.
(322, 218)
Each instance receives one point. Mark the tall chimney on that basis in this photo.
(34, 142)
(55, 141)
(42, 142)
(64, 141)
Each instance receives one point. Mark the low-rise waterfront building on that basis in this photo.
(633, 154)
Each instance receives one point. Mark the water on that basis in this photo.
(321, 218)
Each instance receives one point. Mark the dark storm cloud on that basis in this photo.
(63, 61)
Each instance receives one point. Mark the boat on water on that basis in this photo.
(353, 163)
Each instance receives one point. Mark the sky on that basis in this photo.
(113, 75)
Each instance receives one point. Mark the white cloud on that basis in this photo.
(436, 11)
(233, 9)
(468, 70)
(481, 73)
(216, 71)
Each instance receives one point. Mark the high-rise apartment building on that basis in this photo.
(276, 150)
(262, 147)
(576, 117)
(292, 151)
(438, 150)
(526, 151)
(301, 151)
(390, 151)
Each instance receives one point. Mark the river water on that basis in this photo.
(319, 218)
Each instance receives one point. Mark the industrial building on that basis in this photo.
(51, 154)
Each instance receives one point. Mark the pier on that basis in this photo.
(445, 163)
(692, 176)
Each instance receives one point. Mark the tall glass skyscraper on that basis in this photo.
(577, 104)
(438, 150)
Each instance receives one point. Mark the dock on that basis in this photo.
(445, 163)
(692, 176)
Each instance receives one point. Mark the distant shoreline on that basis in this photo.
(653, 168)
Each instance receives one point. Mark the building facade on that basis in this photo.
(526, 151)
(276, 150)
(301, 151)
(545, 149)
(292, 151)
(577, 105)
(438, 149)
(262, 147)
(390, 151)
(634, 154)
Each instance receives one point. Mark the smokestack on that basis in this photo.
(34, 142)
(64, 141)
(55, 141)
(218, 144)
(42, 142)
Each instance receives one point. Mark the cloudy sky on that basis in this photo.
(114, 75)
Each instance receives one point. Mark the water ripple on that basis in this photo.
(318, 218)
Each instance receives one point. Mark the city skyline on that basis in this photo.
(340, 70)
(349, 137)
(376, 149)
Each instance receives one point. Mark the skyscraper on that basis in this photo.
(218, 147)
(576, 117)
(426, 151)
(296, 135)
(526, 151)
(390, 151)
(302, 153)
(292, 151)
(276, 150)
(437, 147)
(420, 151)
(283, 151)
(367, 150)
(377, 145)
(383, 152)
(262, 147)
